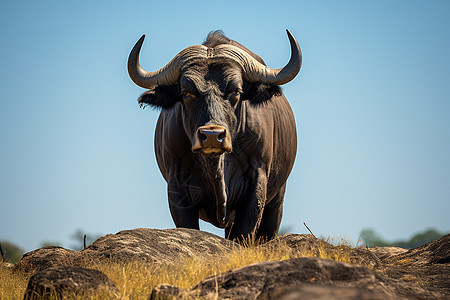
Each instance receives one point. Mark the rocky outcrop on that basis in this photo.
(388, 273)
(321, 293)
(157, 246)
(298, 277)
(69, 282)
(309, 245)
(436, 252)
(385, 252)
(45, 258)
(427, 265)
(143, 245)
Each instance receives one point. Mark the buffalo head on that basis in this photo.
(210, 81)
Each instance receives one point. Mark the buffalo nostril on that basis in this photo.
(221, 136)
(203, 137)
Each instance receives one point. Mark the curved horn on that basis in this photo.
(169, 74)
(254, 71)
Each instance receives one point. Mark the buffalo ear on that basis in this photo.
(162, 96)
(259, 93)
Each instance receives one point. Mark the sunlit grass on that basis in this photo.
(12, 286)
(136, 280)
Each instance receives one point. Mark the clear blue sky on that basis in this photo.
(372, 105)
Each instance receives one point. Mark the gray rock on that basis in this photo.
(427, 266)
(69, 282)
(299, 276)
(167, 291)
(309, 291)
(144, 245)
(384, 253)
(167, 246)
(45, 258)
(309, 245)
(436, 252)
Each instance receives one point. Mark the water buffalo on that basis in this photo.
(225, 140)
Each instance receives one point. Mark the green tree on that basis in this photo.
(419, 239)
(372, 239)
(12, 253)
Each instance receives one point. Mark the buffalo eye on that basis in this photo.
(234, 97)
(187, 96)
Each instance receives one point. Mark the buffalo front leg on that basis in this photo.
(249, 212)
(184, 212)
(271, 219)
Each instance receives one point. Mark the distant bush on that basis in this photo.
(372, 239)
(11, 252)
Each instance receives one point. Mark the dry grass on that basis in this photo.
(12, 286)
(136, 280)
